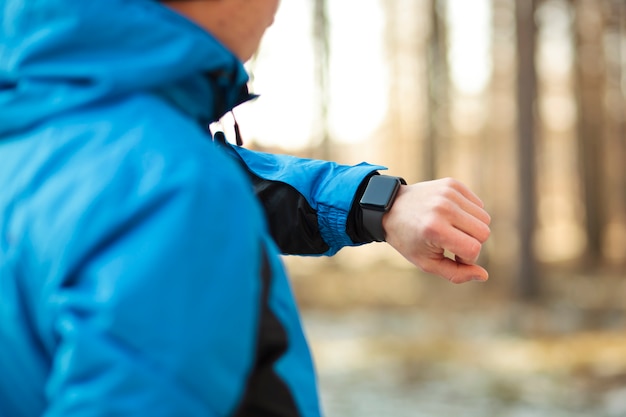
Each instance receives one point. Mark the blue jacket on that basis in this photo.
(138, 271)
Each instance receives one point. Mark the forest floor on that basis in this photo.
(391, 341)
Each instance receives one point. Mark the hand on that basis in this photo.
(429, 218)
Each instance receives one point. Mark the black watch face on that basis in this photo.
(380, 192)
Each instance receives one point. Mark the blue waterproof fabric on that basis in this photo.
(130, 244)
(328, 187)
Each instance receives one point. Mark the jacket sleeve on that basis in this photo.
(311, 205)
(159, 314)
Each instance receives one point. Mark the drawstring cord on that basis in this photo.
(220, 137)
(238, 138)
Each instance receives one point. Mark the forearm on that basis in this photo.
(311, 205)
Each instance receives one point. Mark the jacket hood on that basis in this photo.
(56, 55)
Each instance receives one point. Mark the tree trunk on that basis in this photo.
(322, 63)
(615, 111)
(527, 273)
(438, 89)
(590, 74)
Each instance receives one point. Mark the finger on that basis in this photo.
(471, 207)
(466, 192)
(463, 245)
(456, 272)
(467, 223)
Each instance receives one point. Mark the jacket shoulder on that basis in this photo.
(106, 168)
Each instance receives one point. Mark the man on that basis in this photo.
(139, 272)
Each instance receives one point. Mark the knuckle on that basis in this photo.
(485, 234)
(446, 193)
(443, 206)
(455, 279)
(451, 183)
(474, 249)
(459, 276)
(431, 230)
(448, 180)
(428, 267)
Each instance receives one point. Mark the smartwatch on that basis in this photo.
(377, 199)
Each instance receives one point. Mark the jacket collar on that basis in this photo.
(228, 94)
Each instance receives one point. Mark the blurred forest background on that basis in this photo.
(525, 102)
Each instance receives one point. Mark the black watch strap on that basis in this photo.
(373, 223)
(377, 200)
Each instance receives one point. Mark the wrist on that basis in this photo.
(377, 200)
